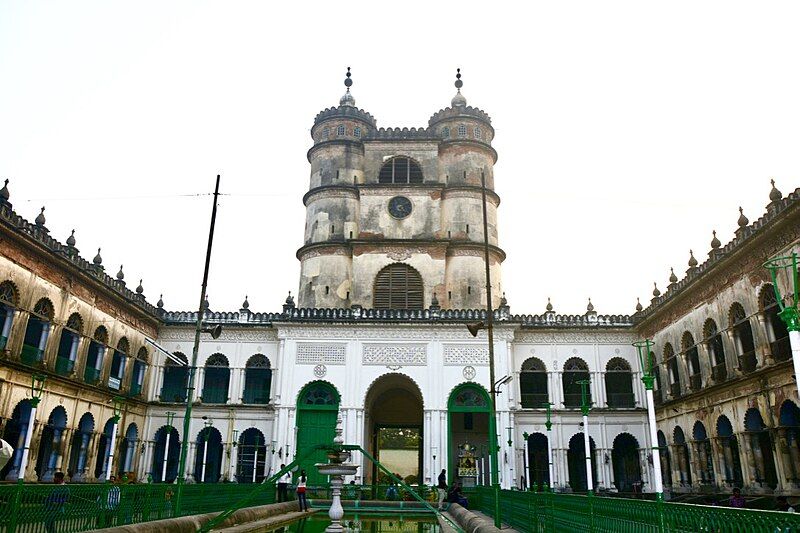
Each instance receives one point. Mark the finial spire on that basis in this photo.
(458, 100)
(743, 220)
(4, 194)
(40, 220)
(692, 260)
(120, 274)
(549, 305)
(672, 277)
(638, 305)
(348, 99)
(656, 292)
(97, 259)
(71, 240)
(139, 288)
(160, 303)
(715, 242)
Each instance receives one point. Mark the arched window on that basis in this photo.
(118, 361)
(8, 301)
(462, 130)
(357, 132)
(575, 370)
(216, 379)
(658, 390)
(139, 370)
(672, 370)
(533, 383)
(538, 461)
(761, 446)
(398, 286)
(37, 332)
(689, 348)
(682, 452)
(742, 337)
(257, 380)
(777, 333)
(68, 345)
(703, 448)
(340, 130)
(175, 379)
(716, 351)
(731, 460)
(400, 170)
(477, 132)
(619, 384)
(445, 133)
(326, 132)
(94, 357)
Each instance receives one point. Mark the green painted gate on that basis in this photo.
(317, 407)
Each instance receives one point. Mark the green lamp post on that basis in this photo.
(549, 425)
(646, 361)
(586, 406)
(37, 389)
(784, 272)
(118, 402)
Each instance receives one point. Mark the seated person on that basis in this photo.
(454, 495)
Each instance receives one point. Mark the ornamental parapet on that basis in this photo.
(455, 112)
(346, 112)
(404, 134)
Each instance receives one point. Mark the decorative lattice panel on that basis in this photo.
(317, 353)
(460, 355)
(395, 354)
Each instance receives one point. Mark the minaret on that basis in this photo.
(337, 161)
(466, 153)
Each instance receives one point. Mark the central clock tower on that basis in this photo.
(394, 216)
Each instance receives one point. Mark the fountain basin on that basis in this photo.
(333, 469)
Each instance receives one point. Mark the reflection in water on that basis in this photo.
(366, 524)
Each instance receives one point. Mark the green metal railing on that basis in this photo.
(31, 355)
(547, 511)
(64, 366)
(34, 508)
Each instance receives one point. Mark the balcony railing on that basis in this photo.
(534, 400)
(748, 361)
(719, 373)
(31, 355)
(91, 375)
(572, 400)
(135, 390)
(255, 396)
(64, 366)
(215, 396)
(695, 382)
(675, 389)
(621, 400)
(781, 349)
(170, 395)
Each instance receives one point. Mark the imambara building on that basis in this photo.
(391, 270)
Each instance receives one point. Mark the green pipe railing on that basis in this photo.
(548, 511)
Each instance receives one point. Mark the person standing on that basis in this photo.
(55, 502)
(736, 499)
(283, 485)
(441, 487)
(301, 491)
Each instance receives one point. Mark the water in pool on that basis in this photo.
(367, 524)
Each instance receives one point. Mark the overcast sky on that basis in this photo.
(626, 131)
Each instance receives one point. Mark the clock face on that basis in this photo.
(400, 207)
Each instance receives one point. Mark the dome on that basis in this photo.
(347, 99)
(458, 100)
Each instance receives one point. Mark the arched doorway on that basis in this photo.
(14, 434)
(625, 459)
(682, 453)
(209, 439)
(469, 426)
(393, 426)
(664, 456)
(576, 461)
(103, 450)
(761, 448)
(50, 444)
(731, 462)
(704, 453)
(538, 460)
(317, 409)
(127, 450)
(172, 454)
(77, 469)
(252, 457)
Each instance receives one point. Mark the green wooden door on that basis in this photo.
(317, 408)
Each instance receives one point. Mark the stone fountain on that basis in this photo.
(337, 468)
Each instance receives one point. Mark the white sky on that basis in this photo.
(626, 131)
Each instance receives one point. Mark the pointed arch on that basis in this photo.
(77, 467)
(625, 462)
(745, 345)
(14, 433)
(576, 461)
(216, 379)
(37, 332)
(716, 350)
(127, 451)
(317, 409)
(50, 443)
(777, 332)
(257, 380)
(619, 384)
(251, 462)
(209, 444)
(575, 370)
(161, 470)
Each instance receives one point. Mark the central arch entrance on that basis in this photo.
(393, 427)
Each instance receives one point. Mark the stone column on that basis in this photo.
(91, 455)
(784, 464)
(145, 464)
(726, 462)
(749, 470)
(64, 447)
(427, 441)
(199, 381)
